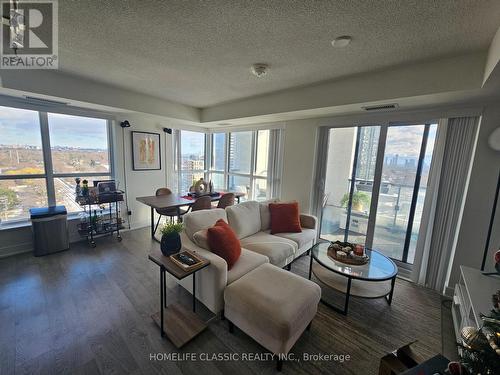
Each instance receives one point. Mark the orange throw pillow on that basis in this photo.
(223, 242)
(285, 218)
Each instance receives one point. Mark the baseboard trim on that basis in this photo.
(21, 248)
(139, 224)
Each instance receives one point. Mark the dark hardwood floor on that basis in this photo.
(87, 311)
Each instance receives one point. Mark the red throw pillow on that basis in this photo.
(223, 241)
(285, 218)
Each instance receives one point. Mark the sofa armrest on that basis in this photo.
(210, 281)
(308, 221)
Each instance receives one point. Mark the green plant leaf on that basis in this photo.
(171, 228)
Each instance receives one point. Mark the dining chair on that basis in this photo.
(170, 212)
(202, 203)
(226, 200)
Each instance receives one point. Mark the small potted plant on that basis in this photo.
(170, 238)
(359, 200)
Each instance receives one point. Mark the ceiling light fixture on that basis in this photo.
(341, 41)
(259, 70)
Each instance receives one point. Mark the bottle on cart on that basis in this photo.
(85, 188)
(78, 188)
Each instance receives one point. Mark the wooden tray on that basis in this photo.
(184, 266)
(332, 254)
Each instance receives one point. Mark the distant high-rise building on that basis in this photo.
(240, 147)
(367, 154)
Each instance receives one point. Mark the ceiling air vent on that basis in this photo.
(381, 107)
(41, 101)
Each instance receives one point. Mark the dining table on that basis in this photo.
(174, 201)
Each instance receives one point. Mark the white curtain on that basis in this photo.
(446, 191)
(275, 162)
(323, 138)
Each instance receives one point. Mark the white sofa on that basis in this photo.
(251, 222)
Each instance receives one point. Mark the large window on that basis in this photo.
(192, 159)
(219, 161)
(236, 161)
(42, 153)
(375, 186)
(78, 144)
(248, 154)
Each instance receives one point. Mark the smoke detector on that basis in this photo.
(341, 41)
(259, 70)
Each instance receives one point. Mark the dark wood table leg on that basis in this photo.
(152, 222)
(194, 292)
(310, 267)
(346, 302)
(347, 295)
(164, 288)
(162, 302)
(389, 298)
(117, 208)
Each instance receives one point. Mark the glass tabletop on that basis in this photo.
(379, 267)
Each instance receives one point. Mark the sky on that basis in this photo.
(192, 143)
(21, 127)
(405, 141)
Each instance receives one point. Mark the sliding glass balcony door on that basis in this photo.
(375, 184)
(349, 182)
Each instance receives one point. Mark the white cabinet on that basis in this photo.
(473, 296)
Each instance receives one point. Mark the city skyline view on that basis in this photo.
(79, 146)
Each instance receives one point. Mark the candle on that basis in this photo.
(359, 250)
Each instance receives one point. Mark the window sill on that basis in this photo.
(27, 223)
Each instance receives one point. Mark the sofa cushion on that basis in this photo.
(279, 250)
(244, 218)
(248, 261)
(302, 238)
(285, 218)
(308, 221)
(200, 238)
(223, 241)
(203, 219)
(265, 215)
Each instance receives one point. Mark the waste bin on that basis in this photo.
(50, 230)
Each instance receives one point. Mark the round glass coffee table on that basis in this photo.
(374, 279)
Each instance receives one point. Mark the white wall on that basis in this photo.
(139, 183)
(493, 57)
(340, 157)
(298, 161)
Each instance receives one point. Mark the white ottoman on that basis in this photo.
(273, 306)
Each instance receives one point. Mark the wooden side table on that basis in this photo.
(175, 321)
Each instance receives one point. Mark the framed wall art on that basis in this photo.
(146, 153)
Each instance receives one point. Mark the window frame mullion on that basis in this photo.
(47, 158)
(253, 162)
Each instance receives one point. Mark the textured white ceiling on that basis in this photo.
(199, 52)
